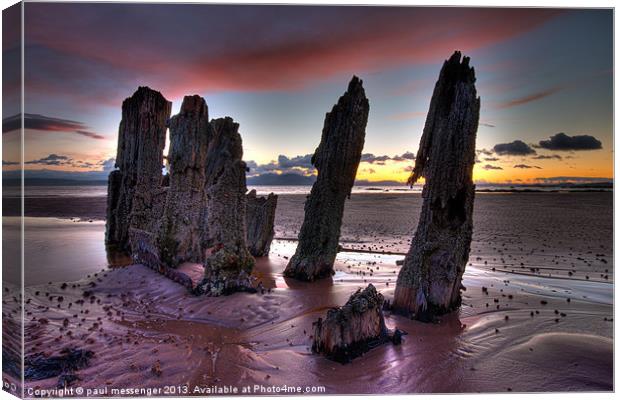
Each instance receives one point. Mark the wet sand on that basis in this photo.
(539, 330)
(546, 234)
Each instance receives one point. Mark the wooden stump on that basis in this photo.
(183, 229)
(429, 282)
(336, 160)
(351, 330)
(260, 217)
(228, 263)
(139, 159)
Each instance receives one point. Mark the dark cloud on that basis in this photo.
(485, 152)
(90, 134)
(525, 166)
(300, 165)
(547, 157)
(50, 124)
(563, 142)
(83, 164)
(529, 98)
(516, 148)
(52, 159)
(491, 159)
(380, 160)
(11, 123)
(491, 167)
(372, 159)
(487, 125)
(61, 160)
(7, 163)
(405, 156)
(408, 155)
(40, 122)
(295, 162)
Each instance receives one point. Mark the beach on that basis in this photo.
(537, 313)
(277, 199)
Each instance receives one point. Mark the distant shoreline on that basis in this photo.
(370, 186)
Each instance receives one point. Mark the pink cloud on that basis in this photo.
(178, 52)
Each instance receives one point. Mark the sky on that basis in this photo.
(544, 77)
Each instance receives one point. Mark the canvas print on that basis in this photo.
(221, 199)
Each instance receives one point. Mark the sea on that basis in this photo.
(102, 190)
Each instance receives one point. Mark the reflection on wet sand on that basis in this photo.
(550, 328)
(146, 330)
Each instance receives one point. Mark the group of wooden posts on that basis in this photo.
(200, 211)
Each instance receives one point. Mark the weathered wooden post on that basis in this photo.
(229, 263)
(134, 188)
(429, 282)
(182, 232)
(260, 218)
(336, 160)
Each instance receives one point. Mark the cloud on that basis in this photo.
(299, 161)
(529, 98)
(491, 159)
(485, 152)
(56, 160)
(371, 158)
(50, 124)
(408, 155)
(52, 159)
(108, 165)
(300, 165)
(525, 166)
(84, 164)
(90, 134)
(281, 54)
(515, 148)
(563, 142)
(380, 160)
(487, 125)
(491, 167)
(547, 157)
(405, 156)
(7, 163)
